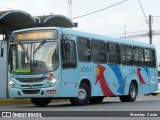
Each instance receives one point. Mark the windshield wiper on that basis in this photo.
(24, 50)
(39, 46)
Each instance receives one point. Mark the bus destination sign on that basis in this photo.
(36, 35)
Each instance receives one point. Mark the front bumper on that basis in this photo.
(54, 91)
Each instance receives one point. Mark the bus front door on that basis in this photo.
(3, 69)
(70, 71)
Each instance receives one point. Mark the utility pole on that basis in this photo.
(125, 33)
(70, 9)
(150, 29)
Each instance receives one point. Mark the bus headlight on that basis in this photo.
(12, 84)
(52, 82)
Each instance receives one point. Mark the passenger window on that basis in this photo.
(138, 54)
(83, 46)
(98, 51)
(150, 58)
(126, 55)
(113, 53)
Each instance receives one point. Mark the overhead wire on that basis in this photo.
(130, 36)
(141, 35)
(143, 12)
(156, 16)
(100, 9)
(121, 34)
(90, 12)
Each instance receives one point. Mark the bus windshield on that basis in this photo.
(33, 58)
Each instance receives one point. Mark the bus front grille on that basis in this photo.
(29, 80)
(30, 91)
(29, 86)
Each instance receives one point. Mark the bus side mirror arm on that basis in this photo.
(65, 45)
(63, 52)
(2, 50)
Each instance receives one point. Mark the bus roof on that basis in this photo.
(107, 38)
(95, 36)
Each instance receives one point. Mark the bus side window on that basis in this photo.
(113, 53)
(126, 55)
(138, 55)
(83, 46)
(98, 51)
(150, 60)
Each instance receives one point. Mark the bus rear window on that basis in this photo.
(150, 58)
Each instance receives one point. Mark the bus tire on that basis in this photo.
(84, 95)
(132, 95)
(40, 102)
(96, 99)
(154, 94)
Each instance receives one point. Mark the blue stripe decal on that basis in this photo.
(147, 71)
(117, 72)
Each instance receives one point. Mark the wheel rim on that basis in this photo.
(132, 92)
(82, 94)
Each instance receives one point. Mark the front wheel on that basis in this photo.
(132, 95)
(40, 102)
(84, 95)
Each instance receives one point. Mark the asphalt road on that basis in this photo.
(143, 103)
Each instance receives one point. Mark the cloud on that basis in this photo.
(36, 7)
(111, 23)
(108, 22)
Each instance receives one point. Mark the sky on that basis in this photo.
(117, 21)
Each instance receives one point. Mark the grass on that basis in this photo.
(14, 101)
(19, 101)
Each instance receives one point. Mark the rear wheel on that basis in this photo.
(84, 95)
(132, 95)
(40, 102)
(154, 94)
(96, 99)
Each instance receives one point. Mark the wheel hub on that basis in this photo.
(133, 92)
(82, 94)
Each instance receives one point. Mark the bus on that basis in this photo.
(48, 63)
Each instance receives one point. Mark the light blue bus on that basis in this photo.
(47, 63)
